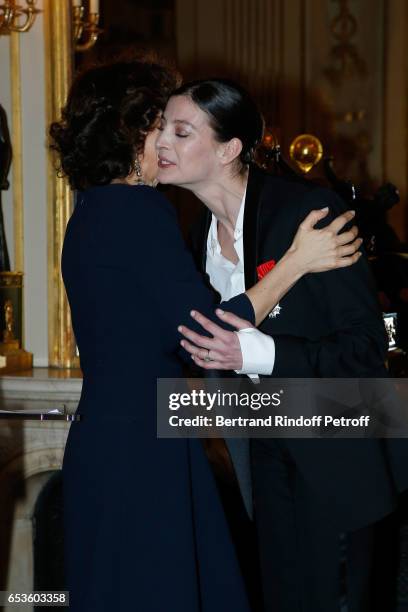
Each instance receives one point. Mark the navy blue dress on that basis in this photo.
(144, 527)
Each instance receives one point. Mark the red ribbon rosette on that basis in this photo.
(265, 267)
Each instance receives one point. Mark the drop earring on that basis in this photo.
(138, 169)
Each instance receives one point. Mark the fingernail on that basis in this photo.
(180, 329)
(193, 313)
(325, 209)
(182, 343)
(353, 212)
(219, 311)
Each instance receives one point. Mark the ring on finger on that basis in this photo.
(207, 357)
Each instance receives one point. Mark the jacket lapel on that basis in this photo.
(200, 239)
(256, 181)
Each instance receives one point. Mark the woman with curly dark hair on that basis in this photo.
(144, 527)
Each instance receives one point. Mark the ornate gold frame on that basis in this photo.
(17, 152)
(59, 62)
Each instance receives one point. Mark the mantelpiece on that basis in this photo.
(31, 452)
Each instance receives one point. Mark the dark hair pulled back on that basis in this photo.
(232, 111)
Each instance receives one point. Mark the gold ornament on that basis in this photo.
(16, 18)
(306, 151)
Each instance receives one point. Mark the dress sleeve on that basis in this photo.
(165, 268)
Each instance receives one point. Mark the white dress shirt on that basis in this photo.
(258, 349)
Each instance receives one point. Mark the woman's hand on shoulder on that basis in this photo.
(320, 250)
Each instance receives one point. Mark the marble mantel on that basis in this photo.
(41, 387)
(31, 451)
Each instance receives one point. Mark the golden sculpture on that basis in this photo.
(8, 333)
(306, 151)
(12, 356)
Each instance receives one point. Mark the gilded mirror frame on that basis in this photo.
(62, 351)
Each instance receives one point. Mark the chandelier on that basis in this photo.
(17, 18)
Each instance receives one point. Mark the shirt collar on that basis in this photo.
(212, 242)
(239, 226)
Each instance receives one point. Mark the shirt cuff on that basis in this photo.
(258, 352)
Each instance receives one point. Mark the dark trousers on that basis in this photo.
(306, 564)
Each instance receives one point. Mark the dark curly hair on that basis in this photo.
(109, 111)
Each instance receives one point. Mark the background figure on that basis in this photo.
(5, 163)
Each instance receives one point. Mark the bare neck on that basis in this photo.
(223, 196)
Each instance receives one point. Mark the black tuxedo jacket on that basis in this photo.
(330, 326)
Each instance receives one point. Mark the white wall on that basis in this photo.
(34, 183)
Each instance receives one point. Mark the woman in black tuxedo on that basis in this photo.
(144, 528)
(316, 502)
